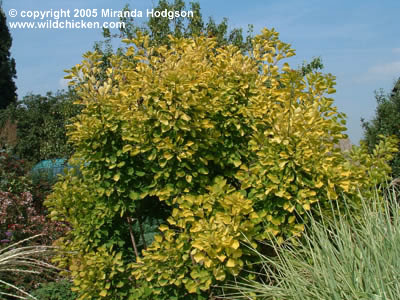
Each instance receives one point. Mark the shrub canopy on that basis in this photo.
(217, 147)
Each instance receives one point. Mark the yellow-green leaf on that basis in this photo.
(231, 263)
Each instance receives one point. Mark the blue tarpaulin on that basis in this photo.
(50, 168)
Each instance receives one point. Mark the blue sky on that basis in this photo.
(357, 41)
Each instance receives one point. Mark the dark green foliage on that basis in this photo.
(7, 65)
(386, 122)
(160, 28)
(60, 290)
(12, 173)
(315, 64)
(41, 122)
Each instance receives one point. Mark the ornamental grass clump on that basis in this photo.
(17, 259)
(350, 257)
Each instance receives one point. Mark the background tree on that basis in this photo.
(7, 65)
(41, 125)
(315, 64)
(386, 122)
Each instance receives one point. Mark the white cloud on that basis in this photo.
(389, 69)
(396, 50)
(386, 71)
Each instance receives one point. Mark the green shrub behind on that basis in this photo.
(60, 290)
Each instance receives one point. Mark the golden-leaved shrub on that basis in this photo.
(228, 148)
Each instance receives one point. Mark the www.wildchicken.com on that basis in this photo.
(80, 18)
